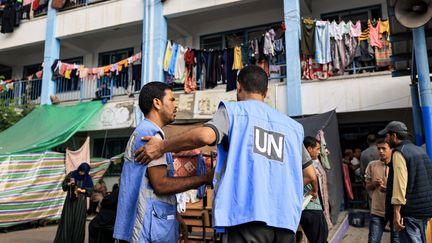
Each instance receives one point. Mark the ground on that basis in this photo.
(46, 234)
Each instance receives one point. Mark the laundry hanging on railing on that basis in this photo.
(67, 70)
(13, 11)
(185, 66)
(329, 48)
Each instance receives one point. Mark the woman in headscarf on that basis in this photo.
(79, 185)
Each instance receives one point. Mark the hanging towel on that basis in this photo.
(168, 56)
(322, 42)
(238, 63)
(75, 158)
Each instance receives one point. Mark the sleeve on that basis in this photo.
(306, 159)
(400, 179)
(220, 124)
(161, 161)
(368, 173)
(66, 180)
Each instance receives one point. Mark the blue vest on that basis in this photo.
(142, 216)
(259, 177)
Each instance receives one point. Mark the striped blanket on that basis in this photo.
(30, 186)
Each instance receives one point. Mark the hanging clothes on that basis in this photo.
(385, 28)
(168, 56)
(364, 34)
(382, 55)
(374, 36)
(365, 51)
(338, 51)
(355, 29)
(312, 70)
(8, 20)
(350, 48)
(180, 66)
(268, 48)
(308, 39)
(237, 63)
(231, 75)
(245, 54)
(172, 65)
(336, 30)
(322, 42)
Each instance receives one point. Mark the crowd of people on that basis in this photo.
(268, 180)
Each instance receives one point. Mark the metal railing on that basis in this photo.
(22, 92)
(70, 4)
(93, 88)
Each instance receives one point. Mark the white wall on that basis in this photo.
(29, 31)
(327, 6)
(97, 17)
(357, 94)
(183, 7)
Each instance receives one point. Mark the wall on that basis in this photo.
(97, 17)
(328, 6)
(356, 94)
(29, 32)
(183, 7)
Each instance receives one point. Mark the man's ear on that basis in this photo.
(157, 104)
(239, 88)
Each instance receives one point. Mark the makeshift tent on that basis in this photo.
(46, 127)
(30, 186)
(329, 124)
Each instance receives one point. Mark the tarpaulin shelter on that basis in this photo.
(329, 124)
(30, 186)
(46, 127)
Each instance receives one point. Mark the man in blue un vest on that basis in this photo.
(258, 176)
(147, 204)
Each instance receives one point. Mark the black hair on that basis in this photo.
(310, 142)
(382, 141)
(149, 92)
(253, 79)
(371, 138)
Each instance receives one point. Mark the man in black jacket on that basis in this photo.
(409, 185)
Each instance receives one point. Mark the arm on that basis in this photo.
(400, 181)
(370, 186)
(310, 177)
(66, 182)
(155, 147)
(164, 185)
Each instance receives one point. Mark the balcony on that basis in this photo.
(96, 89)
(22, 92)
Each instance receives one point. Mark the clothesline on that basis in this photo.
(65, 69)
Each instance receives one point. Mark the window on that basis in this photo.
(6, 72)
(108, 148)
(110, 57)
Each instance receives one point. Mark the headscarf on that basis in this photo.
(87, 181)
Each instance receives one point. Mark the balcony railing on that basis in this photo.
(70, 4)
(22, 92)
(92, 89)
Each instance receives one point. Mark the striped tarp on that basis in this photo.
(30, 186)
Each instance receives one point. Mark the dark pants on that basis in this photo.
(376, 228)
(314, 225)
(414, 230)
(257, 232)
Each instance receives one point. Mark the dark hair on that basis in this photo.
(310, 142)
(149, 92)
(253, 79)
(400, 135)
(371, 138)
(382, 141)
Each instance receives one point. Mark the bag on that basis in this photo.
(58, 4)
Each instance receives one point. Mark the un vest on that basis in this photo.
(142, 216)
(259, 177)
(419, 186)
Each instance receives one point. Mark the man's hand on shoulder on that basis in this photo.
(152, 150)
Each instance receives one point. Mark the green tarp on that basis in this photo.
(46, 127)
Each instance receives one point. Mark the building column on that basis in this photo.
(51, 52)
(421, 59)
(155, 33)
(292, 50)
